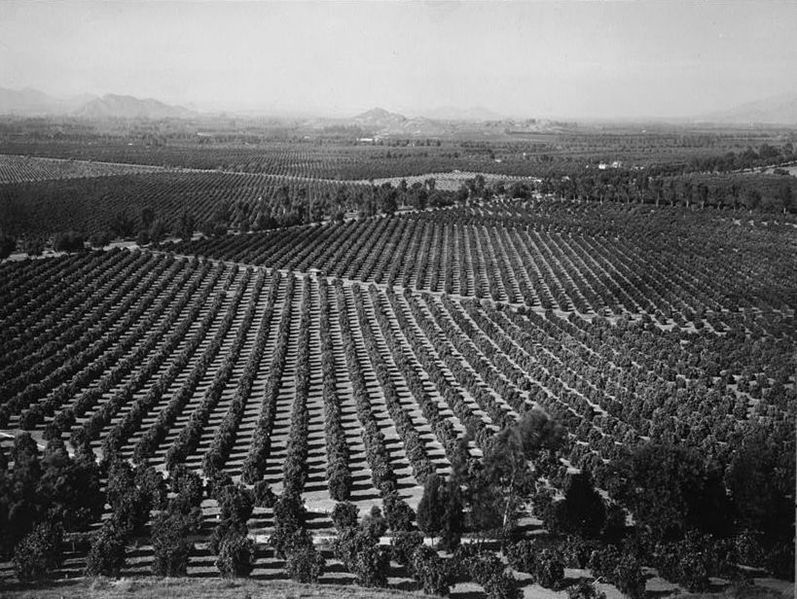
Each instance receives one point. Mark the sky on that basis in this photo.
(524, 59)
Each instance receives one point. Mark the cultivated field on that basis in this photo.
(17, 169)
(90, 203)
(357, 356)
(218, 363)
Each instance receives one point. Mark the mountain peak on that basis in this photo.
(34, 102)
(120, 106)
(378, 113)
(379, 120)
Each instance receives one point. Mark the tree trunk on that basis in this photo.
(506, 510)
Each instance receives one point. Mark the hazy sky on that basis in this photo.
(578, 59)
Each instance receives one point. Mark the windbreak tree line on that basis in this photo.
(153, 206)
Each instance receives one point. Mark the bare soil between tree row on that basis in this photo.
(189, 588)
(149, 587)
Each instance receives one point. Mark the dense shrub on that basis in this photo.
(46, 487)
(403, 545)
(236, 502)
(400, 516)
(304, 563)
(453, 517)
(69, 242)
(187, 484)
(628, 577)
(489, 571)
(691, 561)
(522, 556)
(543, 563)
(604, 561)
(129, 501)
(748, 548)
(761, 481)
(362, 556)
(264, 496)
(502, 586)
(370, 566)
(217, 482)
(780, 560)
(575, 551)
(153, 486)
(432, 506)
(374, 524)
(289, 519)
(584, 590)
(7, 246)
(107, 554)
(671, 490)
(582, 512)
(225, 528)
(236, 555)
(549, 570)
(431, 571)
(100, 239)
(344, 516)
(614, 528)
(170, 543)
(38, 554)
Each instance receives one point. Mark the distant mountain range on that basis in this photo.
(777, 110)
(31, 102)
(375, 122)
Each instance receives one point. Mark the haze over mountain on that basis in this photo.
(381, 122)
(32, 102)
(128, 107)
(777, 110)
(454, 113)
(564, 60)
(378, 119)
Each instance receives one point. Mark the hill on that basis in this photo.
(777, 110)
(130, 107)
(30, 102)
(379, 118)
(379, 121)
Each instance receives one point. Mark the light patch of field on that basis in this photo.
(190, 588)
(763, 588)
(450, 181)
(19, 169)
(791, 169)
